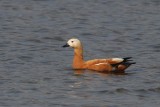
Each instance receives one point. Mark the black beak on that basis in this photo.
(66, 45)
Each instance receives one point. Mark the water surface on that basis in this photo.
(35, 71)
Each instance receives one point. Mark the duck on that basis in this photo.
(105, 65)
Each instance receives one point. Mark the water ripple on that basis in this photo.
(34, 67)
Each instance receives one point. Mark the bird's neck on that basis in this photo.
(78, 58)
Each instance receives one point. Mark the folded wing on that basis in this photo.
(111, 64)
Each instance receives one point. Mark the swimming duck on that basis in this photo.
(106, 65)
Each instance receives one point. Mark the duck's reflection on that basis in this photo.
(81, 72)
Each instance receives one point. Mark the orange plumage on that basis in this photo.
(110, 65)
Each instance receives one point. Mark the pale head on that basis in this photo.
(74, 43)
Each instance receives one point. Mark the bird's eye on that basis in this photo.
(72, 41)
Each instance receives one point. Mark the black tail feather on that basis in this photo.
(127, 58)
(127, 61)
(132, 63)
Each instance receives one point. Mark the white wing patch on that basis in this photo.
(117, 59)
(101, 63)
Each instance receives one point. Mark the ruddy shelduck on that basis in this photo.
(106, 65)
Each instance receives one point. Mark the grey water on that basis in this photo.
(35, 71)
